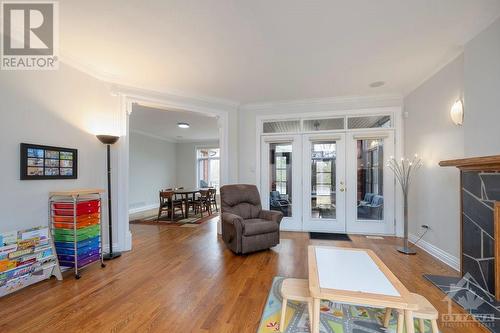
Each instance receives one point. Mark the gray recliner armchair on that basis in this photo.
(245, 226)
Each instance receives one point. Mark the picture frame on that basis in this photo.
(48, 162)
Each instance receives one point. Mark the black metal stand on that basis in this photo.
(111, 254)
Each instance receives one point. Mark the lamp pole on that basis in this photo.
(404, 172)
(108, 140)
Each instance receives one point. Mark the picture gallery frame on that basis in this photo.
(47, 162)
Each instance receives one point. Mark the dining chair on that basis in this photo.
(168, 203)
(202, 202)
(213, 198)
(178, 196)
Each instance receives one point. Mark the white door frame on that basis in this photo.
(120, 186)
(398, 129)
(326, 225)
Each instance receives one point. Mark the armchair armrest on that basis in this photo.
(232, 231)
(271, 215)
(234, 220)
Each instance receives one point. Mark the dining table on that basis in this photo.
(355, 277)
(184, 193)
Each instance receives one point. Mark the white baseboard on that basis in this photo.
(436, 252)
(143, 209)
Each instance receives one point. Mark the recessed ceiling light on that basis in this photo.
(183, 125)
(377, 84)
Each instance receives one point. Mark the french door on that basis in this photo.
(281, 181)
(370, 193)
(330, 182)
(324, 182)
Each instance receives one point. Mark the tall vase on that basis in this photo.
(406, 248)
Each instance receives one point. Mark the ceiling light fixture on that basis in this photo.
(183, 125)
(457, 113)
(377, 84)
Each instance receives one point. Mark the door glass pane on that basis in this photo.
(370, 195)
(323, 170)
(280, 177)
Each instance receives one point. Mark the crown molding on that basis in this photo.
(355, 101)
(181, 99)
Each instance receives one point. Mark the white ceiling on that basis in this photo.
(162, 124)
(261, 50)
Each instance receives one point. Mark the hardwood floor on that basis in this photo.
(181, 279)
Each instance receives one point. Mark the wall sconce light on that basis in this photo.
(457, 113)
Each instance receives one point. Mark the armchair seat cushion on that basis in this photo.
(252, 227)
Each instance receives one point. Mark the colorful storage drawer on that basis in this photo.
(82, 208)
(66, 222)
(71, 258)
(81, 263)
(82, 205)
(67, 235)
(81, 250)
(70, 245)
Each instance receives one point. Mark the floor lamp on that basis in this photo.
(109, 140)
(404, 171)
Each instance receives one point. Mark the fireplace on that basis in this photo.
(480, 218)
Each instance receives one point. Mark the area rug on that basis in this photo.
(334, 318)
(179, 221)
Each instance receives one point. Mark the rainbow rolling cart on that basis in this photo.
(75, 220)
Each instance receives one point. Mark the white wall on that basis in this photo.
(475, 77)
(152, 167)
(434, 196)
(186, 162)
(59, 108)
(482, 93)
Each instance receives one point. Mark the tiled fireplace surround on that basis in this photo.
(480, 192)
(478, 291)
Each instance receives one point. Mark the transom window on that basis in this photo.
(327, 124)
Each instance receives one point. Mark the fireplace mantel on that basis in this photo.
(484, 163)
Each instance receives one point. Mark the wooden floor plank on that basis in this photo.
(180, 279)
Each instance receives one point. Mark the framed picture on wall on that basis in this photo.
(46, 162)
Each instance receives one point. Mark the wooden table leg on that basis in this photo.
(410, 326)
(186, 206)
(387, 317)
(316, 312)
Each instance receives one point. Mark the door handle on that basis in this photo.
(342, 187)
